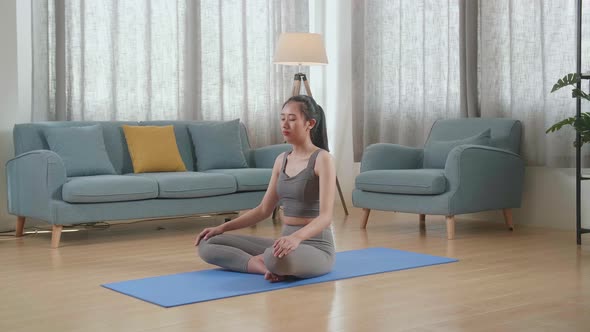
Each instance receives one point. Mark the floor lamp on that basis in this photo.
(303, 49)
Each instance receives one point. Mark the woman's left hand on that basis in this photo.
(284, 245)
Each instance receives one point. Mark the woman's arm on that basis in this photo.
(265, 208)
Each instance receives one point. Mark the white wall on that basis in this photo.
(8, 97)
(548, 200)
(15, 86)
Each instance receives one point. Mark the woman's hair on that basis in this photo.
(311, 110)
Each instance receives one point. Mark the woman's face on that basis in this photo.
(294, 127)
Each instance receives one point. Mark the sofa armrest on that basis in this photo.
(34, 179)
(483, 178)
(265, 157)
(391, 156)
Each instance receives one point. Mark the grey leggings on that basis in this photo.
(312, 258)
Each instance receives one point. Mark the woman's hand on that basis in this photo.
(284, 245)
(208, 233)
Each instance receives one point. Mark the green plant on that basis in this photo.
(581, 125)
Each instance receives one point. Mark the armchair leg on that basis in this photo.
(422, 221)
(365, 218)
(508, 218)
(56, 236)
(450, 227)
(20, 226)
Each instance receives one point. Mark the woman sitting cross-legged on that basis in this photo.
(304, 181)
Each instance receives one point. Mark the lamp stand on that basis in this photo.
(296, 89)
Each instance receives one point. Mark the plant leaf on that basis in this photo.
(581, 125)
(558, 125)
(567, 80)
(577, 93)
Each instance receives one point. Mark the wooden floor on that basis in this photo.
(532, 279)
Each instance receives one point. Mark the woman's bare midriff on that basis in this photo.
(296, 221)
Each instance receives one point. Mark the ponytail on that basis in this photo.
(311, 110)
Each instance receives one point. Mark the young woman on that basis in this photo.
(304, 182)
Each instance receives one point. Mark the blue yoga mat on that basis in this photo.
(198, 286)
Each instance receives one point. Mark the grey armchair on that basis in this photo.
(466, 165)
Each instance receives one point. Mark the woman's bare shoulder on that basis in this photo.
(324, 155)
(324, 160)
(279, 160)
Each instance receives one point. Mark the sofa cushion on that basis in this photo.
(82, 149)
(192, 184)
(153, 149)
(218, 145)
(403, 181)
(436, 152)
(108, 188)
(248, 179)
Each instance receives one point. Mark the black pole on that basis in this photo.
(578, 137)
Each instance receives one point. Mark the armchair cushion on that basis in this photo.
(82, 149)
(391, 156)
(404, 181)
(436, 152)
(218, 145)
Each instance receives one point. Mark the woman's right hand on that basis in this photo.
(208, 233)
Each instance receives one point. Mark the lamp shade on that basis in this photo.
(294, 48)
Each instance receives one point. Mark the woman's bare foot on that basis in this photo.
(273, 277)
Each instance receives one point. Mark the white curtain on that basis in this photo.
(331, 84)
(405, 69)
(415, 62)
(163, 60)
(525, 47)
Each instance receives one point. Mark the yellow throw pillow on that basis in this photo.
(153, 149)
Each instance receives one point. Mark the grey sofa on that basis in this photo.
(466, 165)
(39, 188)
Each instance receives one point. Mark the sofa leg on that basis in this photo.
(56, 236)
(20, 226)
(422, 221)
(365, 218)
(450, 227)
(508, 218)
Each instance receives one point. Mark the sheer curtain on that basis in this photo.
(417, 61)
(525, 47)
(163, 60)
(405, 69)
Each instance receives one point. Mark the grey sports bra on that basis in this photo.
(300, 194)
